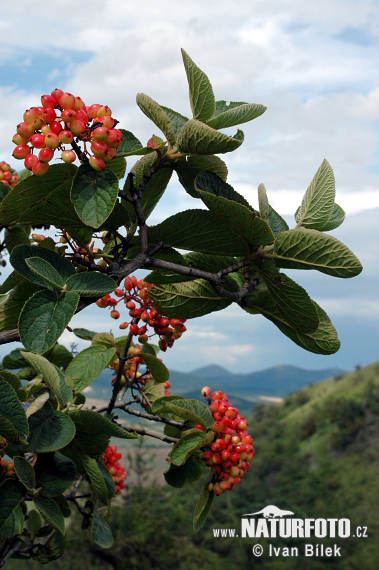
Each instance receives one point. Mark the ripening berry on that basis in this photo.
(48, 101)
(123, 325)
(77, 127)
(38, 140)
(51, 140)
(92, 110)
(68, 156)
(57, 94)
(30, 159)
(99, 134)
(68, 115)
(17, 139)
(66, 136)
(21, 151)
(55, 127)
(115, 314)
(67, 101)
(96, 162)
(104, 111)
(107, 121)
(205, 391)
(99, 148)
(40, 168)
(46, 154)
(25, 130)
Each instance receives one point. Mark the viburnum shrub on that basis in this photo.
(111, 461)
(199, 260)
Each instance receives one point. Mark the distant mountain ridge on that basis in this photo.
(276, 381)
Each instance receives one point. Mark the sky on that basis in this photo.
(313, 64)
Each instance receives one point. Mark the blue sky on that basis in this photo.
(315, 67)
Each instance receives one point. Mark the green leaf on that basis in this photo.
(187, 444)
(93, 432)
(85, 334)
(94, 194)
(336, 218)
(12, 379)
(153, 391)
(50, 512)
(188, 299)
(203, 506)
(130, 145)
(318, 201)
(186, 474)
(13, 421)
(293, 302)
(239, 219)
(267, 213)
(97, 480)
(37, 404)
(25, 472)
(11, 281)
(187, 168)
(111, 489)
(46, 272)
(310, 249)
(59, 355)
(15, 236)
(117, 165)
(156, 367)
(197, 230)
(55, 473)
(209, 182)
(152, 191)
(197, 138)
(11, 308)
(323, 340)
(193, 411)
(50, 429)
(155, 113)
(101, 532)
(200, 90)
(176, 119)
(52, 376)
(87, 366)
(44, 317)
(52, 549)
(11, 495)
(234, 113)
(23, 252)
(14, 359)
(90, 284)
(43, 200)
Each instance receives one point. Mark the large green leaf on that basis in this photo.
(101, 532)
(186, 474)
(94, 194)
(188, 299)
(11, 308)
(23, 252)
(191, 410)
(87, 366)
(11, 495)
(336, 218)
(92, 469)
(156, 367)
(318, 201)
(323, 340)
(52, 549)
(50, 512)
(59, 355)
(198, 230)
(117, 165)
(52, 376)
(44, 318)
(13, 421)
(155, 113)
(130, 145)
(50, 429)
(229, 114)
(187, 168)
(90, 284)
(11, 281)
(238, 218)
(15, 235)
(197, 138)
(153, 190)
(200, 90)
(12, 379)
(208, 181)
(43, 200)
(310, 249)
(293, 302)
(55, 473)
(46, 272)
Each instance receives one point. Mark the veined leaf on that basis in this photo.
(187, 168)
(45, 271)
(55, 473)
(87, 366)
(187, 299)
(94, 194)
(44, 318)
(200, 90)
(190, 441)
(130, 145)
(234, 113)
(24, 472)
(155, 113)
(177, 120)
(267, 213)
(198, 230)
(96, 478)
(50, 429)
(23, 252)
(203, 505)
(318, 201)
(186, 474)
(158, 370)
(90, 284)
(11, 494)
(196, 137)
(310, 249)
(52, 376)
(15, 235)
(13, 421)
(209, 182)
(50, 512)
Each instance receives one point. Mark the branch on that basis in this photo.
(150, 417)
(142, 431)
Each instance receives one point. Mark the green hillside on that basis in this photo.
(317, 455)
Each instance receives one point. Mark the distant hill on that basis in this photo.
(245, 388)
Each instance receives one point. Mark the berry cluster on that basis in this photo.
(111, 457)
(135, 295)
(6, 176)
(232, 447)
(6, 469)
(45, 130)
